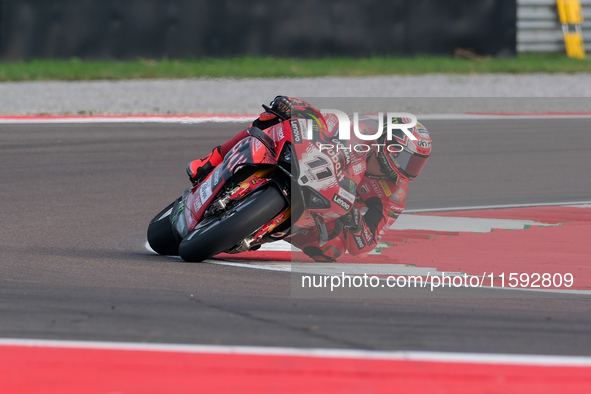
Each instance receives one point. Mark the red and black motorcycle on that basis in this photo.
(269, 184)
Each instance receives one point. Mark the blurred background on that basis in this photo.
(155, 29)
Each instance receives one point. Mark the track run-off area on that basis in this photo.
(86, 307)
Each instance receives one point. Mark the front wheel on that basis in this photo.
(216, 235)
(161, 236)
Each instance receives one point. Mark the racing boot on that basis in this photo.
(199, 169)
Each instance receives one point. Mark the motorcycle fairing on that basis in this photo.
(319, 182)
(255, 150)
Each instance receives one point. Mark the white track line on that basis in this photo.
(186, 119)
(280, 266)
(451, 357)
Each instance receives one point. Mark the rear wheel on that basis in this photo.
(218, 234)
(161, 235)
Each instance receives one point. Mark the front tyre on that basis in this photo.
(161, 234)
(216, 235)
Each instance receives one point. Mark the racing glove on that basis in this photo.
(282, 107)
(352, 220)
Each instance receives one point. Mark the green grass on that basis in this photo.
(251, 67)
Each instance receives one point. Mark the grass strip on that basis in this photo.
(267, 67)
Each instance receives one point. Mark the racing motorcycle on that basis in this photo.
(270, 186)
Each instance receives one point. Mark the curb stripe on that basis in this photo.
(452, 357)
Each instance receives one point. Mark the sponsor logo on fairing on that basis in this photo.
(296, 132)
(197, 204)
(359, 168)
(341, 202)
(346, 195)
(367, 235)
(205, 190)
(216, 177)
(359, 241)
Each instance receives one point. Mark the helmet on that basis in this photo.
(402, 156)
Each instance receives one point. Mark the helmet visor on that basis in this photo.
(408, 163)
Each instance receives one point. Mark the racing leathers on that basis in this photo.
(378, 197)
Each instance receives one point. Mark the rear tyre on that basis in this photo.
(219, 234)
(161, 235)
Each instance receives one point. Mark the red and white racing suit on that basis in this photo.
(381, 199)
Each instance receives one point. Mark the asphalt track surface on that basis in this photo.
(76, 201)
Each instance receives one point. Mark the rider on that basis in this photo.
(376, 178)
(280, 108)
